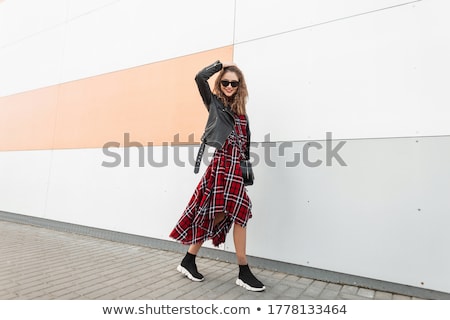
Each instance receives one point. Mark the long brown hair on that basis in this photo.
(238, 101)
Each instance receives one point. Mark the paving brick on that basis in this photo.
(33, 288)
(99, 292)
(315, 289)
(298, 286)
(8, 296)
(279, 289)
(347, 296)
(122, 292)
(194, 293)
(137, 294)
(7, 286)
(36, 295)
(334, 287)
(70, 296)
(319, 284)
(380, 295)
(292, 293)
(366, 293)
(249, 295)
(57, 292)
(284, 276)
(349, 290)
(231, 294)
(328, 294)
(89, 289)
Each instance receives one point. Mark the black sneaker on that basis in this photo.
(189, 268)
(192, 274)
(247, 280)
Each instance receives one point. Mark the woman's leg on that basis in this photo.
(240, 242)
(194, 248)
(246, 278)
(188, 266)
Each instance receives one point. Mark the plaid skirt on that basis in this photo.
(221, 189)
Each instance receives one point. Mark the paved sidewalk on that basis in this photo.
(39, 263)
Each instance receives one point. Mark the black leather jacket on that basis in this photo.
(220, 120)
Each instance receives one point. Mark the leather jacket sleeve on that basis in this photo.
(202, 81)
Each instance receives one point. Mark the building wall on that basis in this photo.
(100, 121)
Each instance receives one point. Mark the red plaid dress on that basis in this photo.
(221, 189)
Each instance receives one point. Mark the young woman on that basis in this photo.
(220, 200)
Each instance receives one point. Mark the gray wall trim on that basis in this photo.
(303, 271)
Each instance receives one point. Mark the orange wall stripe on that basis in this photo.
(151, 103)
(27, 120)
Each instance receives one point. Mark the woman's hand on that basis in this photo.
(228, 64)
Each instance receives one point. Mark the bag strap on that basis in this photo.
(199, 158)
(247, 152)
(248, 137)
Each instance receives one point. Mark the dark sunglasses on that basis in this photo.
(225, 83)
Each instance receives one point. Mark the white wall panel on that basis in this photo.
(24, 180)
(255, 19)
(368, 76)
(77, 8)
(434, 66)
(32, 63)
(131, 33)
(20, 19)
